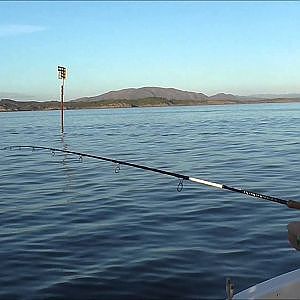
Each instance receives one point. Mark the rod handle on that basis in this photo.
(293, 204)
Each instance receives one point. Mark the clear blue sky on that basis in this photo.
(210, 47)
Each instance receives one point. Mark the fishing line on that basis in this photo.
(289, 203)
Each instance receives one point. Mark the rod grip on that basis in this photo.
(293, 204)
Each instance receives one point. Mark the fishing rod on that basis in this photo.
(289, 203)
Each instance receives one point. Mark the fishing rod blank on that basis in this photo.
(289, 203)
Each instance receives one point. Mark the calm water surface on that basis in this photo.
(77, 230)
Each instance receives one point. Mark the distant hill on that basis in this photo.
(147, 92)
(164, 93)
(141, 97)
(222, 96)
(11, 105)
(274, 96)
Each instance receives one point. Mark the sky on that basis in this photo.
(234, 47)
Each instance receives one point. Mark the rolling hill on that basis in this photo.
(141, 97)
(147, 92)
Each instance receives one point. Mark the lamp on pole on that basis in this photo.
(62, 74)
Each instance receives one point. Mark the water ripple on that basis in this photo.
(72, 230)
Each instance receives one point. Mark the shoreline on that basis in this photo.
(17, 106)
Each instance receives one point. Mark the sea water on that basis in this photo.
(73, 229)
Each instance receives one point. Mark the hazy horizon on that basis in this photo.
(20, 97)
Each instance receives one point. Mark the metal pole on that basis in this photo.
(62, 74)
(62, 106)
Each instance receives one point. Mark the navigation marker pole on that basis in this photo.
(62, 74)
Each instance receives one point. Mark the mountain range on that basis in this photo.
(273, 96)
(147, 92)
(156, 92)
(176, 94)
(145, 97)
